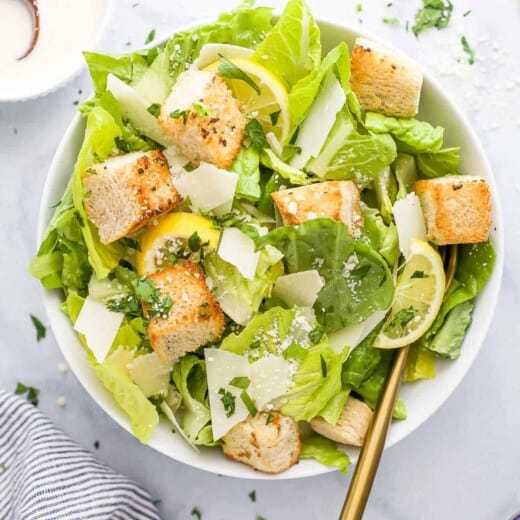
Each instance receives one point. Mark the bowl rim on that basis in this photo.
(78, 63)
(312, 468)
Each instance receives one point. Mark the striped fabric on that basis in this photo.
(45, 475)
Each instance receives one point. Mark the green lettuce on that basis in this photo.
(357, 279)
(269, 159)
(247, 167)
(273, 182)
(143, 415)
(189, 376)
(437, 164)
(405, 174)
(411, 135)
(420, 364)
(303, 94)
(385, 186)
(475, 265)
(292, 49)
(332, 410)
(242, 294)
(325, 452)
(380, 236)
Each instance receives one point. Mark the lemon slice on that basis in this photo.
(271, 106)
(171, 236)
(418, 297)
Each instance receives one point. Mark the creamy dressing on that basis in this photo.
(67, 27)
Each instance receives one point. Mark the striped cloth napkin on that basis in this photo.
(45, 475)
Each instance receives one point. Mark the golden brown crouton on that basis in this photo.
(208, 125)
(385, 81)
(352, 425)
(335, 199)
(195, 318)
(268, 446)
(457, 209)
(125, 192)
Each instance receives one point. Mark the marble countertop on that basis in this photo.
(462, 463)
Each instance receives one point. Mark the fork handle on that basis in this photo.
(370, 455)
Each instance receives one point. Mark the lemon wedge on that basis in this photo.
(418, 297)
(171, 236)
(271, 106)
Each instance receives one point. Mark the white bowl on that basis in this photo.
(422, 398)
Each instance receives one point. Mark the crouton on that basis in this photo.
(352, 425)
(195, 318)
(271, 446)
(457, 209)
(203, 119)
(335, 199)
(385, 81)
(125, 192)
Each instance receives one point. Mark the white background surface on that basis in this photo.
(465, 461)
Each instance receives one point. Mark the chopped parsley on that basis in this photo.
(323, 366)
(467, 13)
(30, 392)
(144, 291)
(194, 242)
(229, 70)
(274, 117)
(259, 517)
(390, 21)
(131, 243)
(228, 401)
(250, 405)
(154, 109)
(150, 37)
(402, 318)
(269, 419)
(201, 109)
(196, 512)
(240, 382)
(316, 334)
(420, 274)
(252, 495)
(92, 171)
(177, 114)
(468, 50)
(255, 133)
(96, 445)
(40, 328)
(3, 467)
(434, 13)
(359, 8)
(135, 5)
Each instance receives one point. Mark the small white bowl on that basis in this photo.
(57, 56)
(422, 398)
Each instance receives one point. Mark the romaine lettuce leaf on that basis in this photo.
(380, 236)
(143, 415)
(189, 376)
(241, 298)
(437, 164)
(420, 364)
(247, 167)
(332, 410)
(411, 134)
(405, 174)
(385, 186)
(357, 279)
(292, 49)
(325, 452)
(293, 175)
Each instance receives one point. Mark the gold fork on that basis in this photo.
(370, 455)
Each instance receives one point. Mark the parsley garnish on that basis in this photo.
(40, 328)
(467, 13)
(435, 13)
(177, 114)
(323, 366)
(154, 109)
(316, 334)
(269, 419)
(255, 133)
(468, 50)
(201, 109)
(420, 274)
(240, 382)
(31, 393)
(194, 242)
(246, 399)
(359, 8)
(390, 21)
(252, 495)
(92, 171)
(228, 401)
(231, 71)
(196, 512)
(150, 37)
(402, 318)
(274, 117)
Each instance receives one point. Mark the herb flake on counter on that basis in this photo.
(31, 393)
(467, 13)
(468, 50)
(390, 21)
(3, 467)
(150, 38)
(196, 512)
(359, 8)
(40, 328)
(434, 13)
(96, 445)
(229, 70)
(252, 495)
